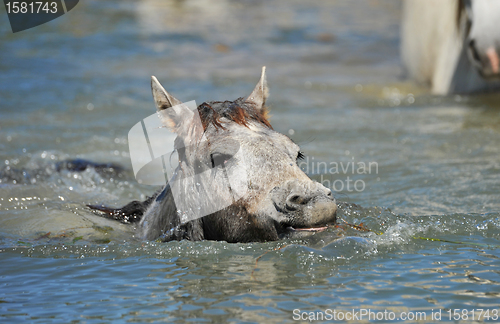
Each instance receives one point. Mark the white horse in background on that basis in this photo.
(453, 45)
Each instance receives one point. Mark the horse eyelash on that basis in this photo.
(300, 156)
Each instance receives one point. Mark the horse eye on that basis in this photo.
(219, 159)
(300, 155)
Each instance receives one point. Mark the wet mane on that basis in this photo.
(237, 111)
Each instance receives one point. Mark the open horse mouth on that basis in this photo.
(310, 229)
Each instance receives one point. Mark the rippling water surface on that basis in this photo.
(427, 210)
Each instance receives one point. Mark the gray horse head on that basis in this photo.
(237, 179)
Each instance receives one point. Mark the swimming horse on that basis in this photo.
(237, 178)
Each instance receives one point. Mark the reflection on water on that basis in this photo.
(73, 88)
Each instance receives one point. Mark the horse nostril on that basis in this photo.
(295, 199)
(473, 50)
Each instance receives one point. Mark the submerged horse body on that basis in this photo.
(269, 194)
(452, 45)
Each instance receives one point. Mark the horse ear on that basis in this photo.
(172, 112)
(260, 93)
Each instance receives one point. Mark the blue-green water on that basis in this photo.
(75, 86)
